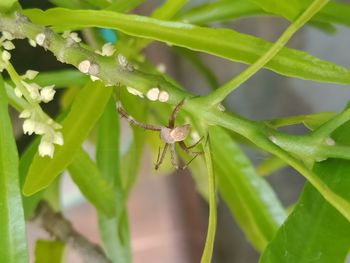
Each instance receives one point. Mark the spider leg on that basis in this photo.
(161, 159)
(174, 113)
(187, 149)
(132, 121)
(190, 161)
(173, 156)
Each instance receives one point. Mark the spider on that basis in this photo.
(170, 134)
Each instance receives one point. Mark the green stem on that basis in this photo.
(327, 128)
(277, 143)
(17, 81)
(221, 93)
(209, 243)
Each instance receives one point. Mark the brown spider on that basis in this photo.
(170, 134)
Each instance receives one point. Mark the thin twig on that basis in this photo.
(54, 223)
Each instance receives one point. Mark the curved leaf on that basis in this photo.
(94, 187)
(13, 243)
(86, 109)
(250, 198)
(114, 231)
(220, 42)
(315, 231)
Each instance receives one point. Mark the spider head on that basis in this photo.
(176, 134)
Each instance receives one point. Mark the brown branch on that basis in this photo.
(54, 223)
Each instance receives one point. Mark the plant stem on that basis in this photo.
(221, 93)
(209, 243)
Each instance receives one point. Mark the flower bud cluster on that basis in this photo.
(6, 45)
(35, 120)
(36, 123)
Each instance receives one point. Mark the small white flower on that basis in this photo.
(47, 93)
(6, 56)
(8, 45)
(28, 126)
(153, 94)
(18, 92)
(32, 42)
(107, 50)
(163, 96)
(58, 138)
(40, 39)
(33, 90)
(7, 35)
(46, 148)
(94, 69)
(84, 66)
(41, 128)
(25, 114)
(30, 74)
(75, 37)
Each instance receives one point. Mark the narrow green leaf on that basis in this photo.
(114, 231)
(209, 242)
(29, 202)
(315, 231)
(250, 198)
(13, 243)
(86, 110)
(169, 9)
(93, 186)
(288, 9)
(49, 251)
(220, 11)
(220, 42)
(335, 12)
(62, 78)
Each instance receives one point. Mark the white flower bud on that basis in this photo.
(25, 114)
(108, 49)
(8, 45)
(58, 138)
(84, 66)
(163, 96)
(75, 37)
(47, 93)
(18, 92)
(40, 39)
(7, 35)
(46, 148)
(30, 74)
(32, 42)
(153, 94)
(6, 56)
(161, 68)
(28, 126)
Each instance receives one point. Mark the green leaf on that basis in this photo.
(49, 251)
(250, 198)
(114, 231)
(220, 42)
(212, 221)
(29, 202)
(335, 12)
(315, 231)
(94, 187)
(288, 9)
(5, 5)
(13, 243)
(86, 110)
(169, 9)
(61, 78)
(220, 11)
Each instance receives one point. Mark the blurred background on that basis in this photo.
(168, 217)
